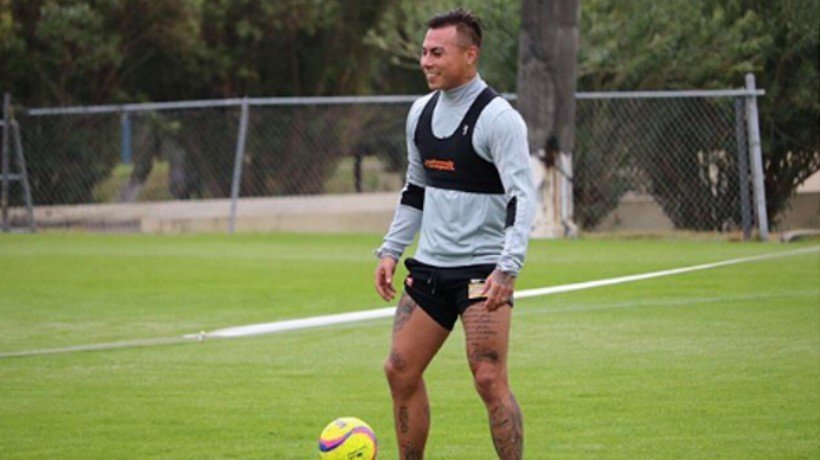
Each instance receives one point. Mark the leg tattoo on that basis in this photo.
(397, 360)
(507, 427)
(416, 340)
(403, 311)
(404, 420)
(482, 356)
(411, 452)
(410, 447)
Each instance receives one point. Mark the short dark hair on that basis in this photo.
(467, 24)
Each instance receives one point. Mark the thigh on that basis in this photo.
(416, 337)
(487, 334)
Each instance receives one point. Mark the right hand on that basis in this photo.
(384, 278)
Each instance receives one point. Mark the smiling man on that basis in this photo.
(469, 194)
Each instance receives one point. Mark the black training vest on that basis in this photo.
(452, 163)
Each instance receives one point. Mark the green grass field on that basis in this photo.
(721, 363)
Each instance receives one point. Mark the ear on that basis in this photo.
(472, 54)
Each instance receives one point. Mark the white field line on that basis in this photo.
(659, 274)
(97, 347)
(319, 321)
(294, 324)
(365, 315)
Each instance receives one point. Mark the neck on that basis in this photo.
(464, 91)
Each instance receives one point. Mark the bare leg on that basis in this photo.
(416, 339)
(487, 336)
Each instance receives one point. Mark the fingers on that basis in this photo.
(383, 284)
(499, 290)
(384, 279)
(488, 284)
(492, 292)
(388, 291)
(497, 296)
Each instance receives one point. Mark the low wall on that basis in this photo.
(802, 211)
(370, 212)
(367, 213)
(637, 213)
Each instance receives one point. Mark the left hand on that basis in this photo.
(498, 289)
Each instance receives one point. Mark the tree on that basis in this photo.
(74, 52)
(547, 52)
(288, 48)
(69, 52)
(678, 44)
(88, 52)
(399, 34)
(790, 111)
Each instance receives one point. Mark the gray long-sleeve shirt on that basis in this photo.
(463, 228)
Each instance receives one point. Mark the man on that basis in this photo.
(469, 192)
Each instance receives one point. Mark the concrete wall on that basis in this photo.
(369, 212)
(803, 211)
(320, 213)
(636, 213)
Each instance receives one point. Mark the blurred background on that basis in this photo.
(639, 164)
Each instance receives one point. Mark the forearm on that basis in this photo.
(511, 156)
(516, 239)
(406, 222)
(517, 233)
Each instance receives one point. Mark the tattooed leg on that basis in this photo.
(404, 310)
(487, 336)
(507, 428)
(416, 339)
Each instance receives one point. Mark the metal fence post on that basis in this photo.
(237, 165)
(357, 172)
(756, 158)
(743, 169)
(4, 198)
(23, 174)
(125, 140)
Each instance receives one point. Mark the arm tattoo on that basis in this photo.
(503, 279)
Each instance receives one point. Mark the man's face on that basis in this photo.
(447, 60)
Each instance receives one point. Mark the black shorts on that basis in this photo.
(443, 292)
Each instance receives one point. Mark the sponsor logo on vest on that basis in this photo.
(440, 165)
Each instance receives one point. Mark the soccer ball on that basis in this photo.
(347, 438)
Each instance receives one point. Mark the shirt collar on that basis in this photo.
(465, 92)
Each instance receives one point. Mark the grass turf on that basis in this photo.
(722, 363)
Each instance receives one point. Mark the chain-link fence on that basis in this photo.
(187, 150)
(684, 152)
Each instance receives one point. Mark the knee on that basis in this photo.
(490, 382)
(398, 374)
